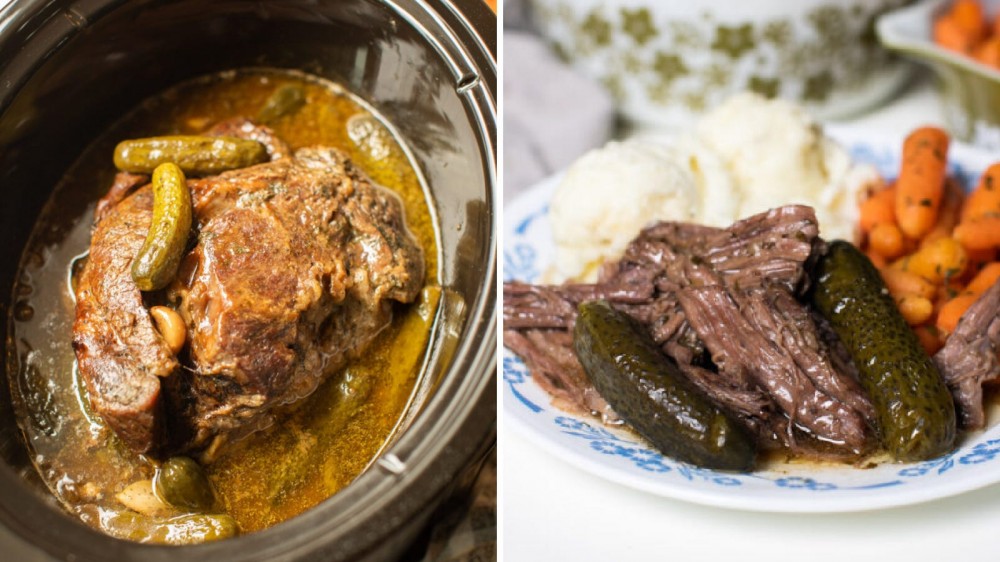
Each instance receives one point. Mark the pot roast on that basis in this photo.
(292, 271)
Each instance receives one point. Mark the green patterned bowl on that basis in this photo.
(667, 61)
(970, 91)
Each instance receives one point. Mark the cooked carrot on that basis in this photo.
(930, 338)
(901, 282)
(886, 240)
(988, 52)
(985, 279)
(879, 208)
(877, 260)
(953, 310)
(985, 199)
(968, 14)
(950, 35)
(948, 215)
(916, 310)
(978, 259)
(980, 233)
(942, 259)
(920, 186)
(944, 294)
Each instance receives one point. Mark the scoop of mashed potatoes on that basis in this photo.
(776, 154)
(609, 194)
(748, 155)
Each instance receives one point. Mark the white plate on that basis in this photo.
(621, 458)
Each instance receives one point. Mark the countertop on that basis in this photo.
(555, 511)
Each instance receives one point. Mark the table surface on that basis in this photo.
(552, 510)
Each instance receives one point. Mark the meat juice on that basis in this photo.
(324, 442)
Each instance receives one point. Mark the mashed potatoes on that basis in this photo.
(749, 155)
(609, 194)
(776, 154)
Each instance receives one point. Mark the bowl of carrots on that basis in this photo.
(959, 40)
(935, 245)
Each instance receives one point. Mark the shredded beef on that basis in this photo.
(739, 331)
(550, 358)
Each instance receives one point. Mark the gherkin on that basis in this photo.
(648, 391)
(915, 411)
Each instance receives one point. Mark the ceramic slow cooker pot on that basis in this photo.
(72, 67)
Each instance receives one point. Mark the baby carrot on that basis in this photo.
(968, 15)
(948, 215)
(886, 240)
(879, 208)
(901, 282)
(980, 233)
(930, 338)
(949, 34)
(938, 261)
(985, 279)
(915, 310)
(877, 260)
(985, 199)
(920, 186)
(988, 52)
(953, 310)
(978, 259)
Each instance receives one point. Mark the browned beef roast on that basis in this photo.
(294, 270)
(969, 357)
(754, 349)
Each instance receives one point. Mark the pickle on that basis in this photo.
(192, 529)
(156, 263)
(182, 483)
(915, 411)
(195, 155)
(285, 100)
(648, 391)
(185, 529)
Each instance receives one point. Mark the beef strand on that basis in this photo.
(736, 330)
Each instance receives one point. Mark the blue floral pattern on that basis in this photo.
(523, 261)
(605, 442)
(519, 263)
(515, 373)
(801, 482)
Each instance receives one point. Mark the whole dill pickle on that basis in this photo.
(156, 263)
(182, 483)
(283, 101)
(916, 414)
(195, 155)
(649, 392)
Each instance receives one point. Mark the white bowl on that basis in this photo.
(667, 62)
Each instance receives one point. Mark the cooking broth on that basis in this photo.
(316, 450)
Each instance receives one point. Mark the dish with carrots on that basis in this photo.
(964, 27)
